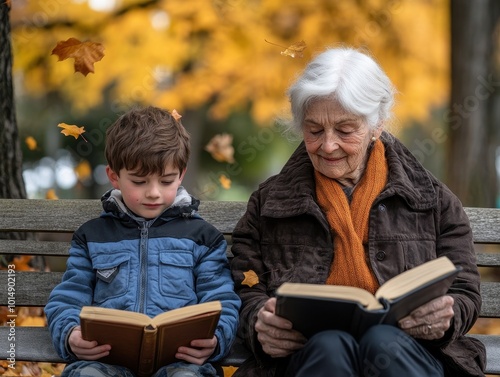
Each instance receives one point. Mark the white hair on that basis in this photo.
(349, 76)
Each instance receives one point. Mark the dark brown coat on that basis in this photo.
(284, 236)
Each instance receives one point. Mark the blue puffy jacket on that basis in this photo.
(150, 266)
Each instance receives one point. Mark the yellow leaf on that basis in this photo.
(229, 370)
(221, 148)
(51, 194)
(31, 143)
(84, 53)
(83, 170)
(251, 278)
(22, 263)
(72, 130)
(176, 115)
(295, 50)
(32, 321)
(225, 182)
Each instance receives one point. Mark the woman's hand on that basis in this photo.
(429, 321)
(199, 352)
(84, 349)
(275, 333)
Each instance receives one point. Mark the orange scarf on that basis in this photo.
(349, 223)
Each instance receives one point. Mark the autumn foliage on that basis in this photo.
(228, 53)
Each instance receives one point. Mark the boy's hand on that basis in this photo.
(84, 349)
(199, 352)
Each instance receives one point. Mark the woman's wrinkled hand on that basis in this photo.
(429, 321)
(275, 333)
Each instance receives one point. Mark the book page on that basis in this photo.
(186, 312)
(414, 278)
(114, 316)
(340, 292)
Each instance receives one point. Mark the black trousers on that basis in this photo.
(384, 351)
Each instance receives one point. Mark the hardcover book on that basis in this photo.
(314, 307)
(145, 344)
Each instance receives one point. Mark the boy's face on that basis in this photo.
(147, 196)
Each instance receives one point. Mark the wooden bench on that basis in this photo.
(44, 218)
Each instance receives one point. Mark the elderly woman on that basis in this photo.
(353, 207)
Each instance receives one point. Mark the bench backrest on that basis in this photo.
(64, 216)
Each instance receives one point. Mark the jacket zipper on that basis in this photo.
(143, 250)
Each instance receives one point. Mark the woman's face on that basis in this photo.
(336, 141)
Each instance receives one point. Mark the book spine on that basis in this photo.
(147, 352)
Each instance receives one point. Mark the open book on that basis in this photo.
(314, 307)
(145, 344)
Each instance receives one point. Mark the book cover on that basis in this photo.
(145, 344)
(314, 307)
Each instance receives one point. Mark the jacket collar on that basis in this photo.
(184, 205)
(292, 192)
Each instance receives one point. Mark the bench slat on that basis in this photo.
(485, 224)
(34, 247)
(491, 299)
(65, 215)
(492, 344)
(32, 288)
(488, 259)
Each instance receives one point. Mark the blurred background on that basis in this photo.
(225, 67)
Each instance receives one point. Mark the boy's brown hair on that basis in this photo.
(146, 140)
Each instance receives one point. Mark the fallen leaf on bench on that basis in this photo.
(251, 278)
(229, 371)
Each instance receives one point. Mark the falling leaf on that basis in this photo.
(176, 115)
(83, 171)
(251, 278)
(51, 194)
(84, 53)
(72, 130)
(225, 182)
(294, 50)
(221, 148)
(31, 143)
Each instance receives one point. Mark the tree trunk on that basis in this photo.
(11, 179)
(472, 131)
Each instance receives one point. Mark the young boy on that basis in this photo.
(148, 252)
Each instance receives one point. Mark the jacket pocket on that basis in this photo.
(112, 276)
(176, 274)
